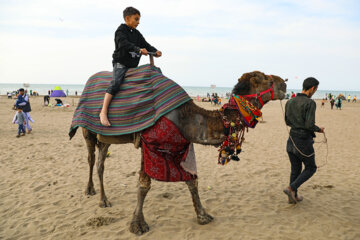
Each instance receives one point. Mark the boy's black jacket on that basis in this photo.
(128, 42)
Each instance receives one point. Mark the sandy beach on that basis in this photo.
(44, 175)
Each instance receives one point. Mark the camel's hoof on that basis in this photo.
(204, 219)
(104, 203)
(90, 190)
(139, 227)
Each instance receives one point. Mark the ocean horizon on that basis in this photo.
(193, 91)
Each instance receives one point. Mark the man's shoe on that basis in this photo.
(291, 194)
(298, 199)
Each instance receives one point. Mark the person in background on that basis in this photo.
(332, 102)
(46, 100)
(354, 99)
(300, 116)
(19, 118)
(293, 95)
(24, 102)
(338, 103)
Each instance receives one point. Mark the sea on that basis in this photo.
(193, 91)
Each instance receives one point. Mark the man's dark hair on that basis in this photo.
(130, 11)
(309, 83)
(21, 90)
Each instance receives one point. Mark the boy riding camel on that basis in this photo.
(129, 46)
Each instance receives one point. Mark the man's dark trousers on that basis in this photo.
(305, 145)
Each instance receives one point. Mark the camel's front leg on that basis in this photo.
(202, 216)
(103, 149)
(138, 224)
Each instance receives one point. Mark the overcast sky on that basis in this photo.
(203, 42)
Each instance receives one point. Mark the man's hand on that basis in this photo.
(143, 51)
(322, 130)
(158, 54)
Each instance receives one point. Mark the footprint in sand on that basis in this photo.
(316, 186)
(130, 174)
(167, 195)
(99, 221)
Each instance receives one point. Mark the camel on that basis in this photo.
(197, 125)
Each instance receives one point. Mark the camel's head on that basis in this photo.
(256, 82)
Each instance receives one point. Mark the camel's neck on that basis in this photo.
(197, 124)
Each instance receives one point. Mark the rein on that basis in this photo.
(301, 153)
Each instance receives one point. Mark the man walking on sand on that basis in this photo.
(300, 116)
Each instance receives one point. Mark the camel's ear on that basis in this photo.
(245, 77)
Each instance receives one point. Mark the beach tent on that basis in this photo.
(58, 92)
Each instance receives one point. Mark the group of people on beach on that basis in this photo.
(213, 99)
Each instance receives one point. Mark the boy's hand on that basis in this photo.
(143, 51)
(158, 54)
(322, 130)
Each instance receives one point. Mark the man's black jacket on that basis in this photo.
(300, 116)
(128, 42)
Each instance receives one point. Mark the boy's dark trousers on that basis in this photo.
(118, 78)
(21, 128)
(305, 145)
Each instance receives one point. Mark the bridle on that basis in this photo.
(234, 131)
(259, 95)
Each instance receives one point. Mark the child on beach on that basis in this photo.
(129, 46)
(24, 102)
(19, 118)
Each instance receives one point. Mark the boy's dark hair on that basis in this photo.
(19, 107)
(130, 11)
(309, 83)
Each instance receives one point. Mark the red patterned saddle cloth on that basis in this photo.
(165, 153)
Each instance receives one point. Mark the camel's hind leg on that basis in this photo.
(202, 216)
(138, 224)
(90, 139)
(103, 149)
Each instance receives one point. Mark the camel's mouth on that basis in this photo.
(282, 94)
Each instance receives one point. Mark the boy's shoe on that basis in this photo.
(23, 134)
(29, 131)
(18, 136)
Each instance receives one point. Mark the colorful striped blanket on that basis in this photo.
(145, 96)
